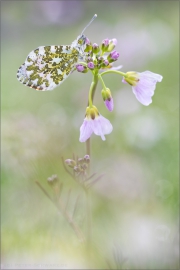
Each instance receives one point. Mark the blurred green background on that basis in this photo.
(135, 206)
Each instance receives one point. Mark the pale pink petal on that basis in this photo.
(85, 130)
(123, 80)
(97, 128)
(152, 76)
(102, 126)
(144, 89)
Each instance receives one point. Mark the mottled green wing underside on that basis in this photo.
(48, 66)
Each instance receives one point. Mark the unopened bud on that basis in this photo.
(80, 160)
(87, 158)
(99, 59)
(52, 179)
(90, 65)
(88, 45)
(89, 59)
(108, 100)
(84, 166)
(105, 64)
(77, 169)
(113, 56)
(105, 45)
(95, 48)
(70, 162)
(81, 68)
(112, 44)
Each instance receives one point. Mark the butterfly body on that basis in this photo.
(48, 66)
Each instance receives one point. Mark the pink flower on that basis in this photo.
(94, 122)
(143, 84)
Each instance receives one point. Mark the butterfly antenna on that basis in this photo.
(95, 16)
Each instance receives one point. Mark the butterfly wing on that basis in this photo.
(47, 66)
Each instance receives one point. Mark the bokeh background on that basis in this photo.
(135, 206)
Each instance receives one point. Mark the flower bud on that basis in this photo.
(105, 64)
(105, 45)
(76, 169)
(84, 166)
(70, 162)
(88, 45)
(80, 160)
(90, 65)
(81, 68)
(89, 59)
(53, 179)
(87, 158)
(113, 56)
(108, 100)
(99, 59)
(95, 48)
(87, 41)
(112, 44)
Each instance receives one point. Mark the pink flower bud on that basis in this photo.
(80, 68)
(114, 55)
(90, 65)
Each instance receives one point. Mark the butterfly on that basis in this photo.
(48, 66)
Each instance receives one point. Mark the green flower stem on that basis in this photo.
(93, 88)
(88, 152)
(90, 98)
(103, 84)
(90, 103)
(62, 209)
(114, 71)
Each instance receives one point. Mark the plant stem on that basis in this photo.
(103, 84)
(71, 222)
(88, 152)
(63, 211)
(90, 102)
(88, 210)
(114, 71)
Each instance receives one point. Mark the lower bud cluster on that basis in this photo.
(80, 166)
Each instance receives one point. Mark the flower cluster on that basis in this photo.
(79, 166)
(99, 60)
